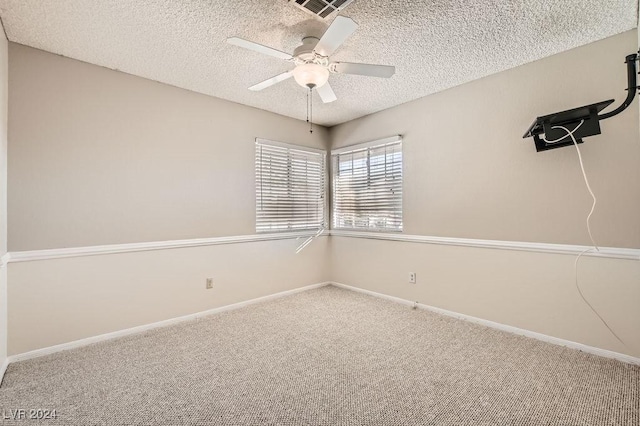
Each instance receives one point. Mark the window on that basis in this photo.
(290, 187)
(367, 186)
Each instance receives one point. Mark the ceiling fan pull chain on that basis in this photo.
(310, 96)
(307, 107)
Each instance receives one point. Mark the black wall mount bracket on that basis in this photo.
(591, 114)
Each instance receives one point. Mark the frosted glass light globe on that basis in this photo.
(311, 75)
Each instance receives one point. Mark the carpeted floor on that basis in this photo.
(324, 357)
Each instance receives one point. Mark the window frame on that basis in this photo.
(368, 146)
(324, 184)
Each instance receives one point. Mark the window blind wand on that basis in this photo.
(309, 240)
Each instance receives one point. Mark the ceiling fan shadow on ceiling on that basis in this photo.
(313, 65)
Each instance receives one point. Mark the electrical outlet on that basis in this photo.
(412, 277)
(209, 283)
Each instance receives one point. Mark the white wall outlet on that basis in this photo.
(209, 283)
(412, 277)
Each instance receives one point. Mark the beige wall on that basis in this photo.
(468, 173)
(62, 300)
(101, 157)
(3, 193)
(533, 291)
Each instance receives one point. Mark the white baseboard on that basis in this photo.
(3, 369)
(134, 330)
(166, 323)
(510, 329)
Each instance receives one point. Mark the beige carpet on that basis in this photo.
(324, 357)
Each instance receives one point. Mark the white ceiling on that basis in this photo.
(434, 44)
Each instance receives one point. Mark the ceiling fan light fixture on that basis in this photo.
(311, 75)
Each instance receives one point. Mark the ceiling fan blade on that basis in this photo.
(339, 30)
(326, 93)
(270, 82)
(369, 70)
(258, 48)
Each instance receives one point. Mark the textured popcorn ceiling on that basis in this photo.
(434, 44)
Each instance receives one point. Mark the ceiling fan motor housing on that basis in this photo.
(304, 52)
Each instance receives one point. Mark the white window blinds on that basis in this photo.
(290, 187)
(367, 186)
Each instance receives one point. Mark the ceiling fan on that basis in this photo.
(312, 60)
